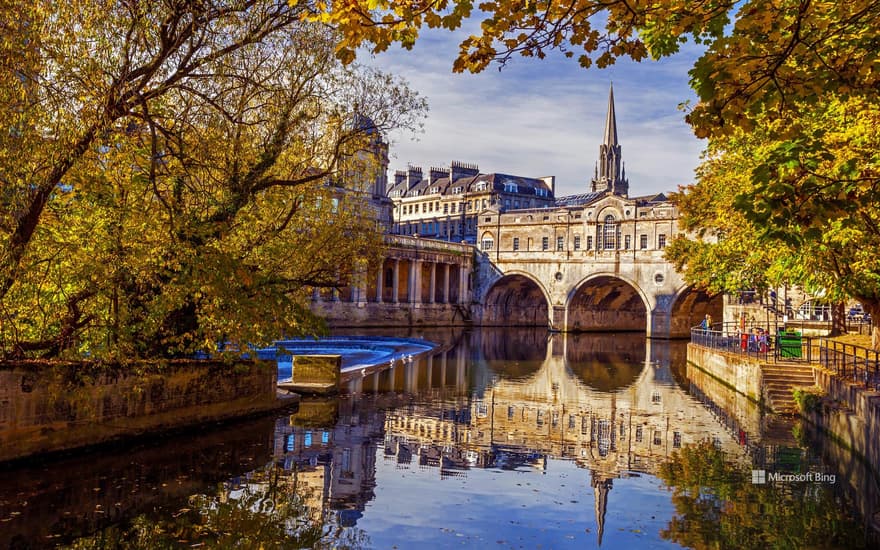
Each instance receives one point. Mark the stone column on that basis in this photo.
(432, 287)
(379, 282)
(445, 283)
(462, 285)
(395, 282)
(415, 289)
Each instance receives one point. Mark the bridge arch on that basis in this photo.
(689, 308)
(607, 302)
(516, 299)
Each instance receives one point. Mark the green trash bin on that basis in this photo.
(790, 344)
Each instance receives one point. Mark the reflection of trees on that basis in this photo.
(269, 509)
(718, 506)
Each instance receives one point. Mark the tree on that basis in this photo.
(793, 201)
(180, 187)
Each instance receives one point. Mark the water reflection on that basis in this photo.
(510, 436)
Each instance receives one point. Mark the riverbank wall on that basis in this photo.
(739, 372)
(53, 407)
(850, 414)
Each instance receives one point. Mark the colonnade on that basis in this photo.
(409, 281)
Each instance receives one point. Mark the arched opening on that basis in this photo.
(690, 308)
(515, 300)
(607, 304)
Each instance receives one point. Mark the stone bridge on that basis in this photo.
(588, 291)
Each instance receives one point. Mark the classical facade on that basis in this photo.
(446, 204)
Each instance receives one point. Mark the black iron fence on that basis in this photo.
(847, 361)
(851, 362)
(756, 342)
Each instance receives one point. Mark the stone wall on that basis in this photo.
(46, 408)
(370, 314)
(851, 414)
(742, 373)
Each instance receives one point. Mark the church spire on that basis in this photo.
(610, 120)
(609, 177)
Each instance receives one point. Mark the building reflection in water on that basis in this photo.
(508, 400)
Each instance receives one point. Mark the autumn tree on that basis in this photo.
(172, 175)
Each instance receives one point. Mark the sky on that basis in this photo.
(546, 117)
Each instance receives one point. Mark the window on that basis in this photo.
(539, 419)
(643, 241)
(657, 437)
(661, 241)
(510, 411)
(446, 209)
(456, 190)
(487, 244)
(453, 208)
(430, 207)
(571, 422)
(676, 440)
(577, 242)
(507, 203)
(541, 192)
(516, 243)
(545, 243)
(510, 187)
(589, 242)
(638, 434)
(516, 204)
(480, 186)
(560, 243)
(609, 233)
(627, 241)
(424, 207)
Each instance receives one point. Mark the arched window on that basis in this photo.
(609, 233)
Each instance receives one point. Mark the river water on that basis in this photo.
(495, 438)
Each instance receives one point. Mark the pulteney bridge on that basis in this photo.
(596, 266)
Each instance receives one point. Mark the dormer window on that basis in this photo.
(511, 187)
(541, 192)
(480, 186)
(457, 190)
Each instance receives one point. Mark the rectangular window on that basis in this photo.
(626, 241)
(589, 242)
(545, 243)
(516, 204)
(676, 440)
(516, 243)
(453, 208)
(539, 419)
(661, 241)
(643, 241)
(571, 422)
(657, 437)
(560, 243)
(638, 434)
(487, 244)
(577, 242)
(510, 411)
(507, 203)
(584, 425)
(446, 209)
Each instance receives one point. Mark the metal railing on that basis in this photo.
(756, 342)
(851, 362)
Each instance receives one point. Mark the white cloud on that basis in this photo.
(546, 117)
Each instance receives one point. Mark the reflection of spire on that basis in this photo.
(600, 501)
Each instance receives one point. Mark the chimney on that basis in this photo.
(461, 170)
(399, 176)
(435, 174)
(413, 175)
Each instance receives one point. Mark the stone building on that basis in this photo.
(446, 204)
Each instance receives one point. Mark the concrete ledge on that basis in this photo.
(314, 374)
(53, 407)
(743, 374)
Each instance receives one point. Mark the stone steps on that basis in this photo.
(779, 382)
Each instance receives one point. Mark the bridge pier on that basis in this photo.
(558, 319)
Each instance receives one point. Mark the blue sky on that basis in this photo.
(546, 117)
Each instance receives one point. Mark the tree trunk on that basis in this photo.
(838, 319)
(872, 308)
